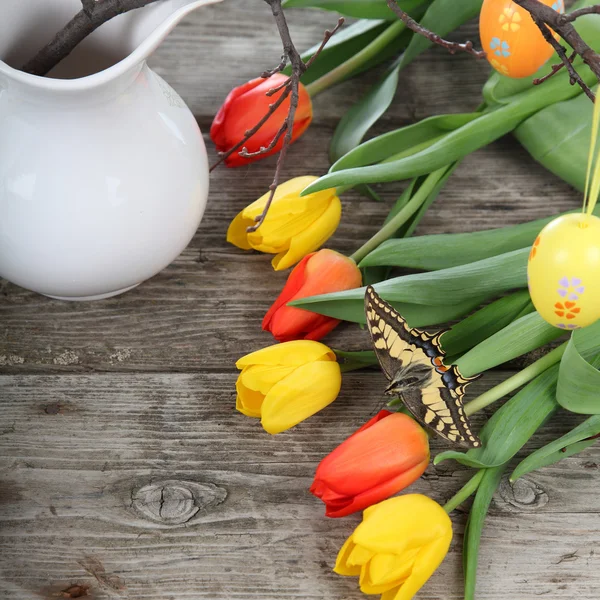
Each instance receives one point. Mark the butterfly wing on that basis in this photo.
(439, 404)
(387, 328)
(437, 409)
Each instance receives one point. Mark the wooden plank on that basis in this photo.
(146, 487)
(205, 310)
(144, 483)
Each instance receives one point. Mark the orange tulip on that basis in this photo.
(245, 106)
(320, 272)
(384, 456)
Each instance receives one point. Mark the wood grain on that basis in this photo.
(150, 486)
(125, 471)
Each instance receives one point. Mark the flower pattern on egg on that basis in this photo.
(567, 326)
(570, 289)
(500, 47)
(534, 248)
(510, 19)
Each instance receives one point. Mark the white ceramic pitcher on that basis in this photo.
(103, 170)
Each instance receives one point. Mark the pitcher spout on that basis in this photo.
(115, 49)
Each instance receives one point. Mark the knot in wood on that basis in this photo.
(523, 494)
(175, 502)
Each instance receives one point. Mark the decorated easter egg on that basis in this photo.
(512, 41)
(564, 271)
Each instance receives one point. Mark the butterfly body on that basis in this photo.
(412, 361)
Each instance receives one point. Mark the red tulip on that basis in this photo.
(384, 456)
(320, 272)
(245, 106)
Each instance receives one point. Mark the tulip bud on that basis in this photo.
(295, 225)
(245, 106)
(397, 547)
(387, 454)
(287, 383)
(322, 272)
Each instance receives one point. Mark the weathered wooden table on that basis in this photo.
(124, 466)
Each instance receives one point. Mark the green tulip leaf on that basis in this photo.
(458, 143)
(488, 486)
(484, 323)
(558, 137)
(441, 251)
(442, 16)
(352, 361)
(405, 140)
(417, 315)
(373, 275)
(578, 381)
(511, 426)
(344, 44)
(484, 278)
(420, 185)
(577, 440)
(523, 335)
(362, 9)
(361, 117)
(409, 228)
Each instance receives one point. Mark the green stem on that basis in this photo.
(465, 492)
(516, 381)
(346, 68)
(388, 230)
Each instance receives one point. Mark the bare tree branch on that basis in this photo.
(291, 89)
(248, 134)
(299, 67)
(554, 69)
(575, 78)
(265, 149)
(88, 7)
(452, 47)
(87, 20)
(588, 10)
(546, 18)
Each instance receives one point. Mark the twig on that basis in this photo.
(554, 69)
(248, 134)
(280, 67)
(452, 47)
(546, 18)
(574, 76)
(291, 89)
(326, 37)
(298, 69)
(88, 6)
(265, 149)
(580, 12)
(86, 21)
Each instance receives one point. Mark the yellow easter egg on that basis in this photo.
(563, 271)
(513, 43)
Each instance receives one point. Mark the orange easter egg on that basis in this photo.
(514, 45)
(564, 271)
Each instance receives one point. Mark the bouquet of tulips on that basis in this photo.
(479, 279)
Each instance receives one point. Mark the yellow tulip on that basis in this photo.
(287, 383)
(295, 225)
(397, 547)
